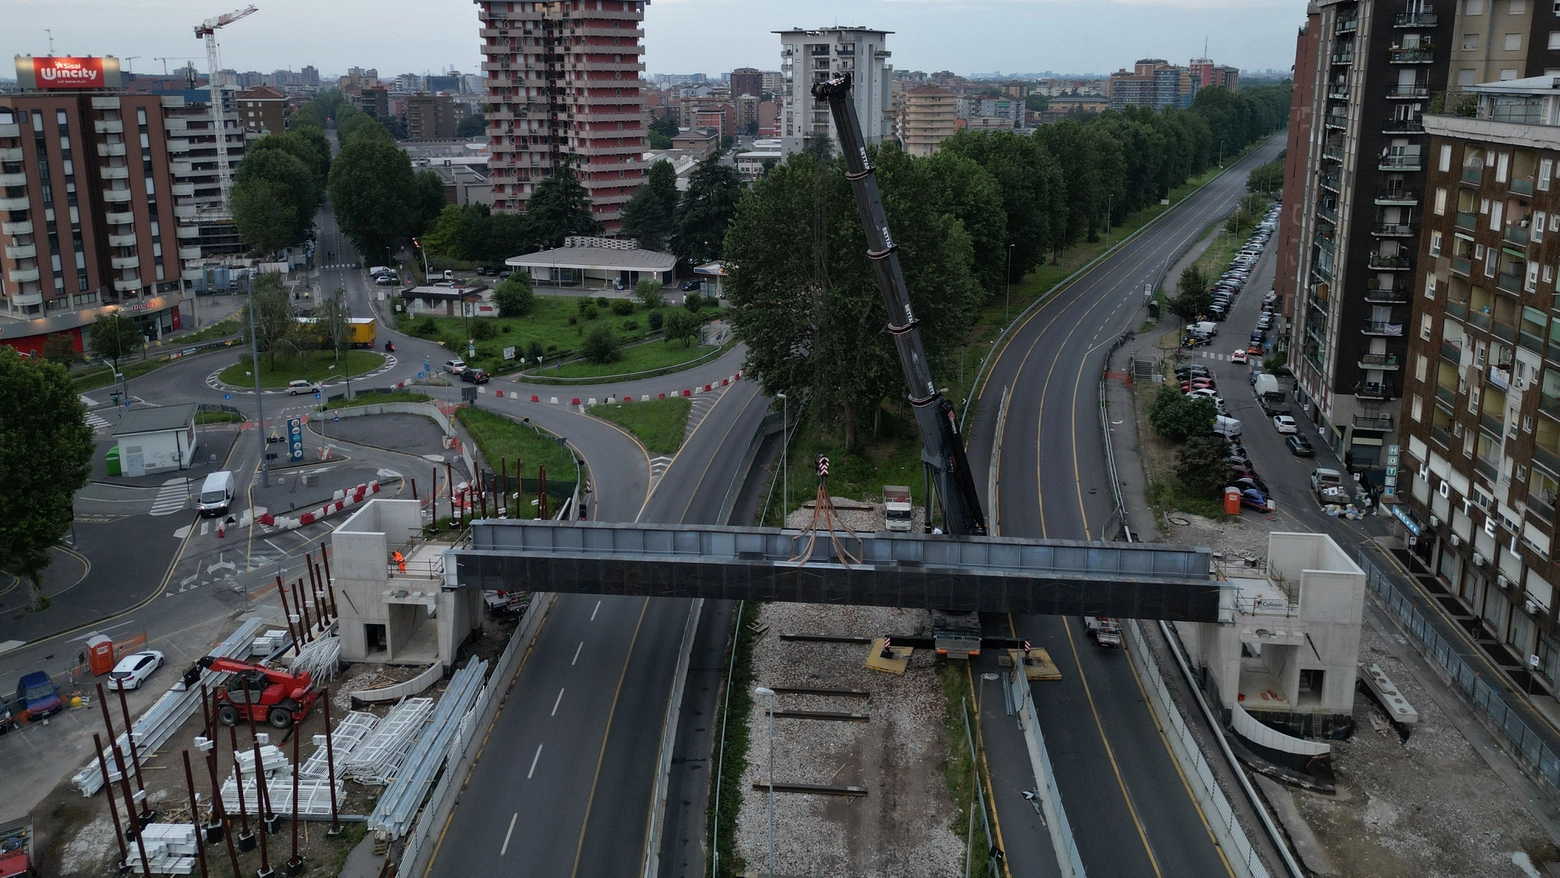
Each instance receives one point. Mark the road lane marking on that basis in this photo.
(556, 702)
(593, 612)
(537, 756)
(577, 653)
(503, 851)
(704, 473)
(579, 848)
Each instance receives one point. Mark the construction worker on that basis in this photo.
(400, 561)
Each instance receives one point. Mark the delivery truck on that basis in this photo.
(361, 331)
(1269, 395)
(896, 508)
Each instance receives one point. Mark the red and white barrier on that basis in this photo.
(342, 500)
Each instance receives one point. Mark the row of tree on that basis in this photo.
(557, 207)
(987, 207)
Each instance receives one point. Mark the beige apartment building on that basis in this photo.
(930, 117)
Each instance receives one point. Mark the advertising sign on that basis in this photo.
(55, 72)
(295, 439)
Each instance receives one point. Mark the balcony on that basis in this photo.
(21, 251)
(1516, 235)
(19, 202)
(1338, 92)
(127, 285)
(1330, 182)
(1466, 220)
(1332, 154)
(1338, 120)
(10, 154)
(22, 275)
(1546, 459)
(1488, 469)
(1402, 126)
(1511, 283)
(1416, 19)
(1522, 185)
(1389, 263)
(24, 227)
(1382, 328)
(108, 126)
(117, 196)
(1346, 25)
(1480, 318)
(1387, 296)
(1343, 58)
(178, 145)
(119, 217)
(184, 211)
(1373, 423)
(1395, 230)
(189, 252)
(1441, 435)
(120, 263)
(183, 190)
(121, 240)
(1411, 56)
(1505, 332)
(1379, 361)
(187, 232)
(1323, 272)
(1409, 197)
(192, 273)
(16, 179)
(1473, 173)
(1408, 92)
(1456, 309)
(176, 124)
(1379, 391)
(110, 150)
(1328, 212)
(112, 173)
(1446, 396)
(1400, 162)
(10, 130)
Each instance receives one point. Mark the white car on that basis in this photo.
(1285, 424)
(1238, 357)
(455, 366)
(134, 668)
(296, 387)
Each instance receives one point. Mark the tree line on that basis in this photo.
(985, 208)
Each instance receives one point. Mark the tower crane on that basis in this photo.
(207, 30)
(166, 58)
(129, 68)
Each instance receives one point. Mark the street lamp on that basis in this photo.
(1221, 153)
(766, 692)
(1008, 307)
(1108, 197)
(785, 456)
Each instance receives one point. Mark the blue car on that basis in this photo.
(38, 695)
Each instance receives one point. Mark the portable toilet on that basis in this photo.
(1231, 501)
(100, 654)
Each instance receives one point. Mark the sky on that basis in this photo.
(681, 36)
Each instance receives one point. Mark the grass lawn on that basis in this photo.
(659, 424)
(218, 418)
(646, 357)
(505, 443)
(1165, 491)
(102, 376)
(312, 366)
(547, 324)
(893, 458)
(364, 398)
(220, 329)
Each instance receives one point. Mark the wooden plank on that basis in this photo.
(814, 690)
(808, 789)
(821, 714)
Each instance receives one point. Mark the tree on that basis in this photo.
(601, 346)
(331, 324)
(428, 201)
(650, 217)
(1036, 103)
(1203, 467)
(276, 329)
(376, 197)
(114, 337)
(58, 348)
(1176, 417)
(1268, 178)
(1193, 299)
(682, 325)
(472, 126)
(706, 210)
(694, 301)
(558, 208)
(1032, 187)
(275, 195)
(45, 458)
(649, 293)
(960, 188)
(665, 126)
(533, 351)
(513, 296)
(659, 140)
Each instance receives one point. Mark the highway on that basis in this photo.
(1131, 812)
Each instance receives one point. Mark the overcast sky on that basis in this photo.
(681, 36)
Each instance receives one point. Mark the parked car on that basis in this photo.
(1248, 483)
(1238, 357)
(38, 696)
(1251, 498)
(1285, 424)
(455, 366)
(1299, 446)
(474, 376)
(134, 668)
(383, 280)
(296, 387)
(1185, 372)
(689, 286)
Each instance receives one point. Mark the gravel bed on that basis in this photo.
(902, 826)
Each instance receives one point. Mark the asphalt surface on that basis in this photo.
(1131, 812)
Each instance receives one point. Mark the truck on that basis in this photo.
(16, 852)
(1329, 485)
(1103, 630)
(1269, 395)
(955, 634)
(896, 508)
(361, 331)
(257, 692)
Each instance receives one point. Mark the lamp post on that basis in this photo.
(1221, 153)
(254, 362)
(1008, 277)
(766, 692)
(785, 456)
(1108, 197)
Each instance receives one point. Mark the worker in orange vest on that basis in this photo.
(400, 560)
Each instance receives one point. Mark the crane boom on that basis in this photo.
(207, 30)
(942, 449)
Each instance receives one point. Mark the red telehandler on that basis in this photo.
(275, 696)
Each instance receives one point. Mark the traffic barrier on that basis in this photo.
(660, 396)
(576, 401)
(645, 398)
(706, 388)
(687, 393)
(554, 400)
(592, 400)
(535, 398)
(724, 382)
(498, 393)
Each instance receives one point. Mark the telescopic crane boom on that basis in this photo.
(207, 30)
(941, 447)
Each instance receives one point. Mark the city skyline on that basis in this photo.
(1069, 37)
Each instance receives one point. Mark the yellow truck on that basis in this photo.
(361, 331)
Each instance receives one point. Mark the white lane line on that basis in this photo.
(537, 756)
(556, 702)
(577, 652)
(595, 611)
(505, 849)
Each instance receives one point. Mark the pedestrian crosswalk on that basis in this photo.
(172, 498)
(96, 422)
(339, 266)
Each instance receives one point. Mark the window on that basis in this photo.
(1421, 367)
(1554, 39)
(1538, 226)
(1424, 327)
(1531, 284)
(1430, 286)
(1513, 42)
(1465, 77)
(1549, 274)
(1489, 262)
(1440, 202)
(1446, 157)
(1470, 42)
(1518, 7)
(1497, 210)
(1473, 7)
(1417, 408)
(1507, 74)
(1435, 245)
(1545, 170)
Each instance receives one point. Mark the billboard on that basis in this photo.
(45, 72)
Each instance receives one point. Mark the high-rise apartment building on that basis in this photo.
(430, 117)
(1480, 467)
(811, 56)
(1377, 68)
(90, 213)
(931, 116)
(262, 111)
(563, 81)
(1154, 83)
(747, 81)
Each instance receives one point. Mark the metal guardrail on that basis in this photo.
(1068, 861)
(163, 718)
(404, 795)
(1513, 729)
(663, 773)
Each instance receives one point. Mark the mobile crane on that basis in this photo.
(942, 449)
(257, 692)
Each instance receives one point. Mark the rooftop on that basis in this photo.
(156, 419)
(597, 257)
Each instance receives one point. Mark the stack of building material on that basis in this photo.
(272, 759)
(344, 738)
(270, 642)
(403, 796)
(320, 658)
(376, 759)
(170, 849)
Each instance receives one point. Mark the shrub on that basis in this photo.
(573, 319)
(1177, 418)
(603, 301)
(1202, 467)
(694, 302)
(551, 349)
(649, 294)
(533, 350)
(656, 320)
(581, 303)
(622, 307)
(425, 327)
(505, 329)
(513, 296)
(483, 330)
(601, 346)
(682, 326)
(589, 312)
(631, 325)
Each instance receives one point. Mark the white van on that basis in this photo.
(216, 493)
(1205, 329)
(1229, 428)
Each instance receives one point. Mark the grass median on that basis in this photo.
(309, 366)
(659, 424)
